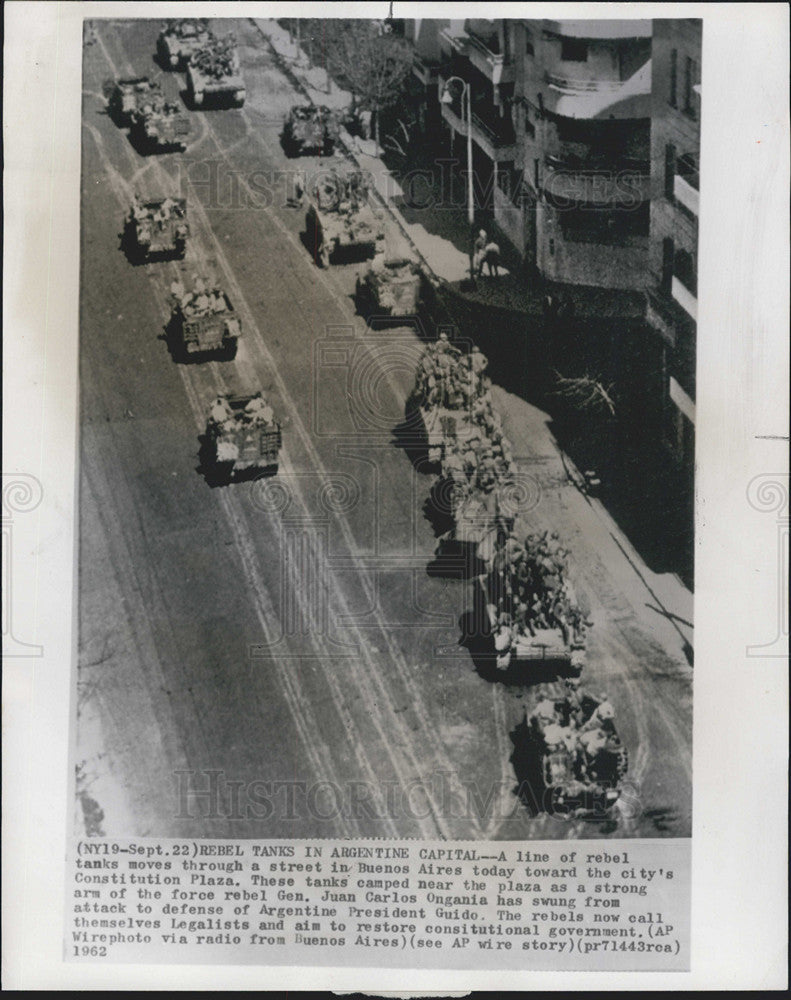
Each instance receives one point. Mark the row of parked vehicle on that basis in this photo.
(527, 627)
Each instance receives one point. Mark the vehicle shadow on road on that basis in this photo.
(179, 355)
(409, 435)
(478, 641)
(215, 476)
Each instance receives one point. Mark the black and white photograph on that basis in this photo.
(387, 427)
(395, 495)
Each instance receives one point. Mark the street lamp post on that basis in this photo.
(447, 98)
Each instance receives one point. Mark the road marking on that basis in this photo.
(316, 750)
(367, 678)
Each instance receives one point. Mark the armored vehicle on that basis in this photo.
(450, 398)
(570, 754)
(157, 228)
(310, 129)
(158, 125)
(125, 96)
(530, 613)
(242, 435)
(203, 321)
(179, 39)
(390, 287)
(340, 223)
(214, 74)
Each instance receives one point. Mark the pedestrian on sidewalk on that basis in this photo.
(491, 255)
(479, 251)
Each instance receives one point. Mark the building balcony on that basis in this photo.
(685, 194)
(663, 314)
(572, 97)
(602, 29)
(589, 165)
(685, 298)
(626, 183)
(495, 138)
(481, 53)
(424, 69)
(681, 400)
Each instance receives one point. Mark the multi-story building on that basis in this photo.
(480, 53)
(672, 298)
(560, 128)
(583, 115)
(424, 34)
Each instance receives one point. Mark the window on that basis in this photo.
(573, 50)
(690, 79)
(529, 47)
(670, 170)
(673, 77)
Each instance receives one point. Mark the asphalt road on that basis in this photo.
(279, 644)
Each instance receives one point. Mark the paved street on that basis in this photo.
(285, 638)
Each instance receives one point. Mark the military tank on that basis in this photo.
(157, 228)
(310, 129)
(214, 74)
(568, 756)
(450, 396)
(390, 287)
(203, 321)
(158, 125)
(179, 39)
(340, 223)
(124, 97)
(242, 436)
(528, 609)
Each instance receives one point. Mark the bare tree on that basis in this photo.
(371, 62)
(588, 396)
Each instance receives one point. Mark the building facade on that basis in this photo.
(560, 121)
(672, 297)
(583, 116)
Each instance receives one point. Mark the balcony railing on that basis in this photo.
(681, 399)
(582, 86)
(666, 316)
(577, 165)
(490, 132)
(423, 68)
(686, 194)
(685, 297)
(481, 54)
(489, 46)
(499, 133)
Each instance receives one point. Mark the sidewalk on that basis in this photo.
(444, 255)
(441, 254)
(440, 237)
